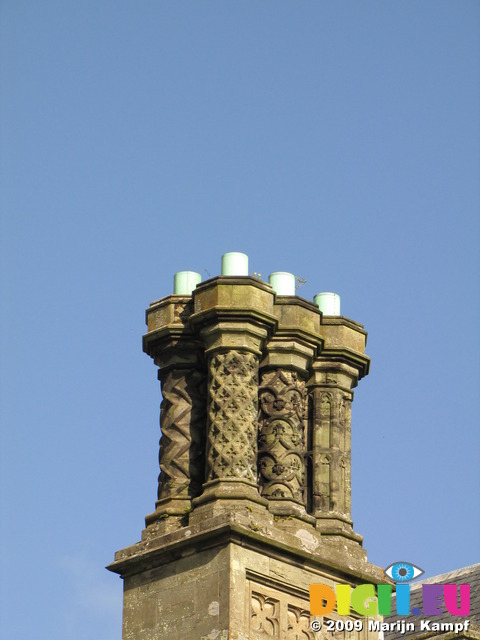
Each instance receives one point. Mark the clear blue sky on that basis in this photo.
(336, 140)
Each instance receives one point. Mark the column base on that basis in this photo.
(166, 507)
(229, 489)
(289, 508)
(336, 525)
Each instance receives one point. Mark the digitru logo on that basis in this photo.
(371, 600)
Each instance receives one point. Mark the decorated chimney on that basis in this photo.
(254, 491)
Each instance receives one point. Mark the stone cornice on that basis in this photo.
(238, 528)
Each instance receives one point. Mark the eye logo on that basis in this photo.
(403, 571)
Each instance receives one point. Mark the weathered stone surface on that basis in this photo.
(241, 583)
(335, 372)
(345, 341)
(297, 317)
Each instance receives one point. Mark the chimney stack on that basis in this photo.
(255, 465)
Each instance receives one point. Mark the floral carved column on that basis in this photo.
(281, 440)
(283, 434)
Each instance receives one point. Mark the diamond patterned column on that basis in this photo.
(232, 413)
(233, 316)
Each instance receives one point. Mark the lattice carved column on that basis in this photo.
(232, 412)
(233, 316)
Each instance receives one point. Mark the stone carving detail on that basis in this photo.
(347, 428)
(182, 445)
(232, 413)
(182, 311)
(323, 483)
(348, 424)
(299, 624)
(343, 484)
(265, 614)
(275, 613)
(281, 423)
(331, 447)
(325, 435)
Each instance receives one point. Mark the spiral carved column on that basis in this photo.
(179, 355)
(182, 445)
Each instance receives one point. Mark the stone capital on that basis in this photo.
(171, 348)
(233, 299)
(240, 335)
(330, 373)
(344, 341)
(169, 339)
(171, 311)
(298, 317)
(288, 353)
(297, 338)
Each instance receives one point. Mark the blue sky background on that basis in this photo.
(336, 140)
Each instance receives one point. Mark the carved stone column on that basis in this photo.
(281, 440)
(232, 409)
(233, 316)
(178, 353)
(283, 412)
(336, 372)
(182, 422)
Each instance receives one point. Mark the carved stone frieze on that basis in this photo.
(232, 413)
(299, 621)
(281, 441)
(182, 422)
(277, 613)
(265, 616)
